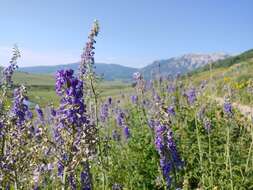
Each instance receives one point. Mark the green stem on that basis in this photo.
(64, 185)
(200, 150)
(97, 126)
(250, 149)
(210, 159)
(228, 160)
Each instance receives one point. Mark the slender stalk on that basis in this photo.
(97, 126)
(200, 149)
(228, 160)
(16, 183)
(250, 150)
(64, 185)
(210, 158)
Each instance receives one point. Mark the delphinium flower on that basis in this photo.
(39, 112)
(134, 99)
(8, 71)
(85, 177)
(171, 88)
(191, 95)
(120, 118)
(74, 134)
(227, 107)
(139, 82)
(22, 148)
(88, 76)
(156, 97)
(166, 147)
(72, 181)
(87, 58)
(121, 121)
(104, 112)
(152, 123)
(1, 129)
(137, 76)
(126, 132)
(171, 111)
(20, 111)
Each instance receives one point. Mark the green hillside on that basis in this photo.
(33, 79)
(245, 56)
(42, 90)
(235, 73)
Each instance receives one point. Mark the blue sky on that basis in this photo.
(133, 32)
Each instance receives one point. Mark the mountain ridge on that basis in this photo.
(111, 71)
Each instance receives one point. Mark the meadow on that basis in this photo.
(169, 132)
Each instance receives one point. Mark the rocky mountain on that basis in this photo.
(172, 66)
(182, 64)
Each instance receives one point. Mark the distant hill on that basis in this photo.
(110, 72)
(107, 71)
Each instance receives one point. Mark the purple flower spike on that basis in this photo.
(126, 132)
(166, 147)
(39, 112)
(134, 99)
(171, 111)
(228, 108)
(191, 96)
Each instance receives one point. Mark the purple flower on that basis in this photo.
(120, 118)
(171, 88)
(85, 177)
(137, 76)
(1, 129)
(171, 110)
(20, 111)
(152, 123)
(60, 167)
(126, 132)
(191, 96)
(39, 112)
(166, 147)
(227, 107)
(72, 181)
(87, 57)
(52, 112)
(72, 109)
(134, 99)
(166, 169)
(9, 71)
(173, 149)
(104, 112)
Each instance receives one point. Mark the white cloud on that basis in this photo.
(33, 58)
